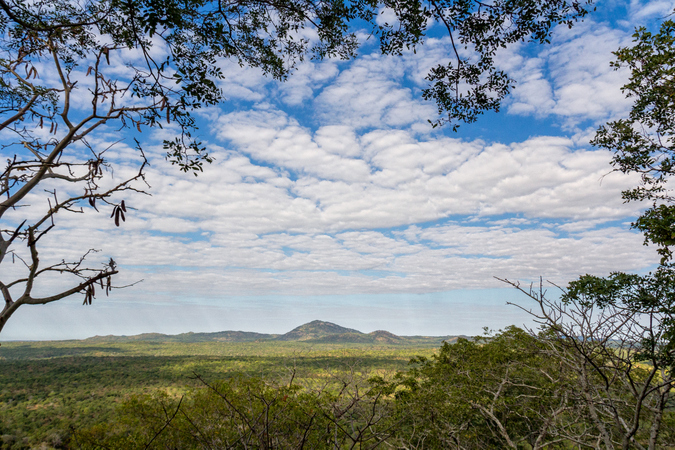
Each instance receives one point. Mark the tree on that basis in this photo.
(76, 42)
(500, 391)
(70, 69)
(614, 336)
(252, 412)
(643, 142)
(617, 333)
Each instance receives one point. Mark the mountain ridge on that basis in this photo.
(316, 331)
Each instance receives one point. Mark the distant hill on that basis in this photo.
(219, 336)
(376, 337)
(317, 331)
(385, 337)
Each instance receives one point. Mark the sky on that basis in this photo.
(331, 197)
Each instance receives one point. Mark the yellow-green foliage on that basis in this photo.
(508, 390)
(47, 389)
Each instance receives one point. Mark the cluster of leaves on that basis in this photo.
(196, 35)
(500, 392)
(465, 88)
(643, 142)
(652, 295)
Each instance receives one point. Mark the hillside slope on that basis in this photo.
(315, 330)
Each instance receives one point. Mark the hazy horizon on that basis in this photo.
(439, 314)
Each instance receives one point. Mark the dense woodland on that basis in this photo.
(50, 390)
(502, 390)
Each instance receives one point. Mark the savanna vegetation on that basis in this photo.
(51, 390)
(509, 389)
(505, 391)
(597, 373)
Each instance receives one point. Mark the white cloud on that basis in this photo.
(305, 80)
(386, 16)
(246, 226)
(244, 83)
(369, 94)
(572, 77)
(641, 10)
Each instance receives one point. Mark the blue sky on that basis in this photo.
(332, 198)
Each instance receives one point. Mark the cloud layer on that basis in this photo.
(334, 184)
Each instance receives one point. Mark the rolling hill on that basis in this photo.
(317, 331)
